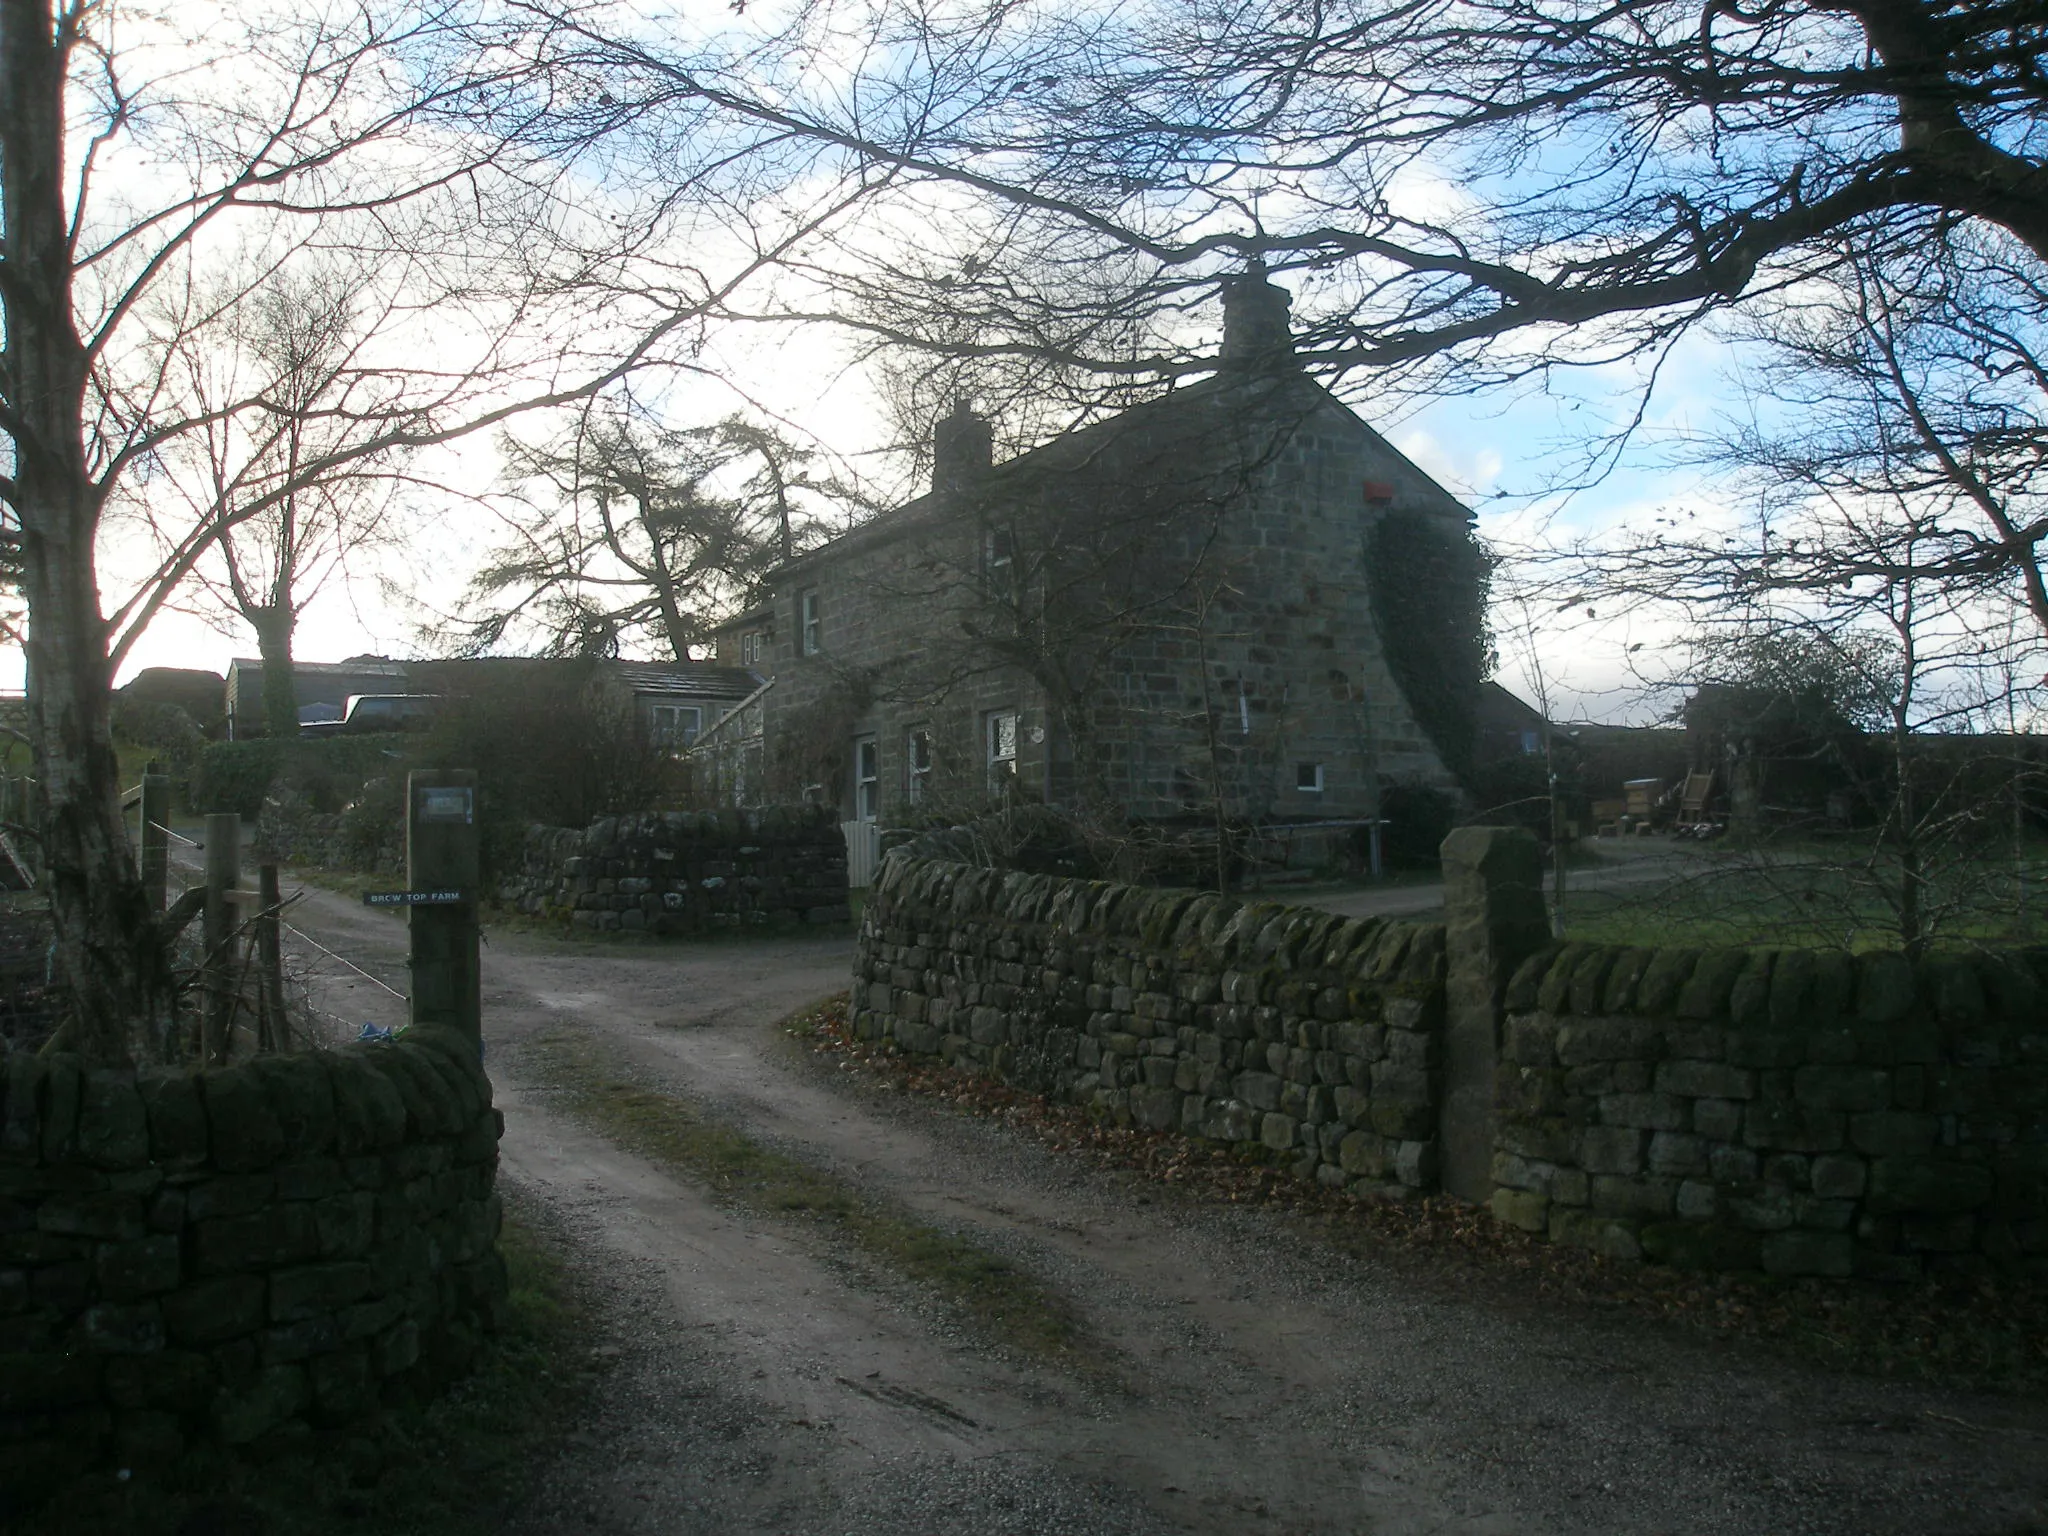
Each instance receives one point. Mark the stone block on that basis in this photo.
(1717, 1119)
(1156, 1108)
(1644, 1111)
(234, 1194)
(1594, 1040)
(1703, 1246)
(1261, 1090)
(1893, 1134)
(1675, 1154)
(1392, 1083)
(104, 1215)
(1415, 1164)
(244, 1412)
(282, 1234)
(1839, 1176)
(1705, 1080)
(311, 1290)
(1920, 1184)
(1706, 992)
(1611, 1149)
(1364, 1155)
(123, 1328)
(113, 1127)
(145, 1266)
(1886, 988)
(1809, 1253)
(1521, 1208)
(1851, 1089)
(1403, 1121)
(214, 1311)
(45, 1381)
(243, 1130)
(1227, 1120)
(1279, 1132)
(1790, 1127)
(1696, 1200)
(1617, 1195)
(1607, 1235)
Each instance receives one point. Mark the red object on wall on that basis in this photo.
(1379, 490)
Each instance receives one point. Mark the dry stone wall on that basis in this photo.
(1315, 1036)
(678, 872)
(234, 1257)
(1806, 1113)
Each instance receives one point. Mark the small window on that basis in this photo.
(1002, 748)
(997, 562)
(813, 633)
(867, 777)
(1308, 778)
(917, 765)
(750, 647)
(675, 725)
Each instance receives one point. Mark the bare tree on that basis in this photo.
(295, 344)
(430, 142)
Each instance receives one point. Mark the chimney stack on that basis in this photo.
(963, 448)
(1257, 335)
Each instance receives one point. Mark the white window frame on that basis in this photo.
(998, 559)
(1002, 766)
(810, 622)
(750, 647)
(665, 725)
(1311, 771)
(867, 777)
(917, 764)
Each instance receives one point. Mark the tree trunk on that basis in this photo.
(107, 950)
(274, 628)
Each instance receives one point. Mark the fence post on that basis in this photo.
(223, 873)
(441, 853)
(1494, 918)
(270, 959)
(156, 839)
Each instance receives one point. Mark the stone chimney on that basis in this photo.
(962, 449)
(1257, 337)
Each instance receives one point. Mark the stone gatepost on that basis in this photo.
(1494, 918)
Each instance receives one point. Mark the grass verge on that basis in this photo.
(1987, 1332)
(453, 1466)
(1008, 1304)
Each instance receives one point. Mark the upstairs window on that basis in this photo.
(917, 765)
(998, 562)
(751, 647)
(1308, 778)
(1002, 748)
(810, 626)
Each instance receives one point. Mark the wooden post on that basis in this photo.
(441, 853)
(276, 1032)
(156, 839)
(223, 873)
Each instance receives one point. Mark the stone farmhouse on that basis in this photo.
(1236, 599)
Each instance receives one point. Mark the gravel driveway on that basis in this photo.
(1248, 1379)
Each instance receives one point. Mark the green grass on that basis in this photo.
(454, 1466)
(1827, 897)
(1009, 1305)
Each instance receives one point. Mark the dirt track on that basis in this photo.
(1248, 1381)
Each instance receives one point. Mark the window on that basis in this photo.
(674, 725)
(1002, 748)
(996, 559)
(917, 764)
(867, 777)
(751, 647)
(812, 632)
(1308, 778)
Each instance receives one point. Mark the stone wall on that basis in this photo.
(687, 871)
(1316, 1036)
(1800, 1112)
(236, 1256)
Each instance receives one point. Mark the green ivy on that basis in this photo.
(1430, 581)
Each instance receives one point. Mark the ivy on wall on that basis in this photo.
(1430, 580)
